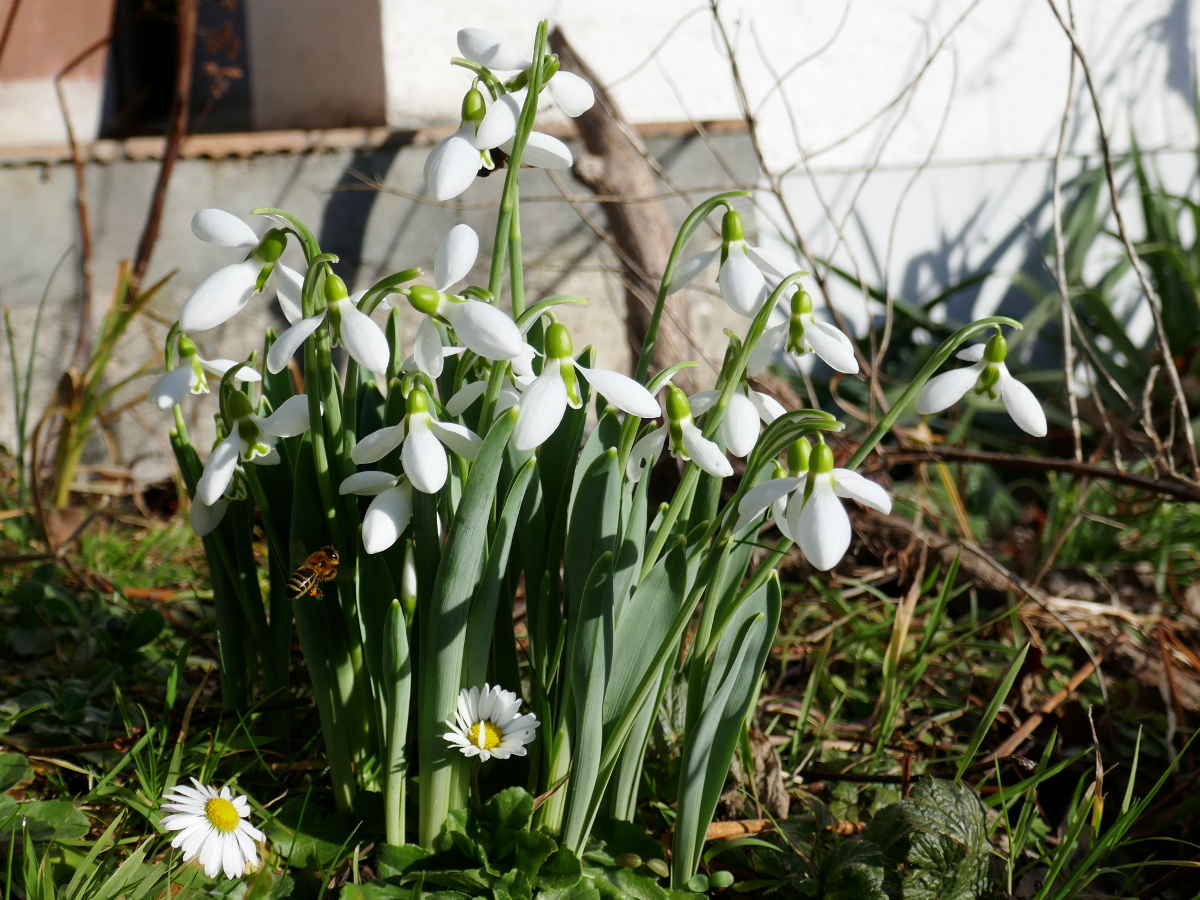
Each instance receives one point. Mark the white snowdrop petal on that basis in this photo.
(1021, 404)
(456, 255)
(756, 500)
(386, 518)
(831, 345)
(543, 151)
(621, 391)
(364, 340)
(740, 426)
(542, 407)
(499, 125)
(946, 389)
(685, 273)
(218, 471)
(742, 283)
(215, 226)
(491, 50)
(424, 458)
(270, 458)
(219, 367)
(761, 353)
(483, 328)
(848, 483)
(973, 353)
(378, 444)
(573, 94)
(704, 453)
(427, 348)
(467, 394)
(171, 387)
(204, 518)
(779, 516)
(507, 400)
(824, 527)
(644, 452)
(702, 401)
(773, 263)
(290, 341)
(220, 296)
(289, 420)
(453, 165)
(367, 483)
(289, 291)
(769, 409)
(459, 438)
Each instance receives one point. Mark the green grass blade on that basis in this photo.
(989, 715)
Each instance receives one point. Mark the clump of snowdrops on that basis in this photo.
(447, 481)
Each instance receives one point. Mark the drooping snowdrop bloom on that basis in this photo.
(744, 269)
(804, 333)
(188, 377)
(213, 825)
(489, 723)
(987, 373)
(822, 528)
(572, 94)
(687, 442)
(482, 328)
(425, 440)
(351, 328)
(204, 519)
(740, 426)
(390, 511)
(224, 293)
(545, 401)
(456, 256)
(251, 439)
(773, 494)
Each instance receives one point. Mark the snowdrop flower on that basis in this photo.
(213, 825)
(571, 94)
(687, 442)
(489, 723)
(482, 328)
(747, 407)
(189, 376)
(351, 327)
(425, 440)
(822, 528)
(545, 401)
(390, 511)
(987, 373)
(204, 519)
(804, 334)
(773, 494)
(251, 439)
(221, 295)
(744, 269)
(456, 256)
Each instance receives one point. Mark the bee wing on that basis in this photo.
(299, 554)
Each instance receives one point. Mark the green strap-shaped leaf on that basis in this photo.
(593, 526)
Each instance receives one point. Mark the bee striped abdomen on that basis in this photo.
(320, 566)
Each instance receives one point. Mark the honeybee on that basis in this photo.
(319, 567)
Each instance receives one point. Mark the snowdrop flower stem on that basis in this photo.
(943, 353)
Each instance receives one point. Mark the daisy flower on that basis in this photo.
(489, 723)
(213, 825)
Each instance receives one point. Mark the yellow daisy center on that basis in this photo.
(491, 735)
(221, 814)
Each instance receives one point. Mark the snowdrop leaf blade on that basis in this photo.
(459, 438)
(848, 483)
(289, 420)
(364, 340)
(378, 444)
(685, 273)
(215, 226)
(386, 518)
(218, 471)
(622, 392)
(367, 483)
(824, 527)
(943, 391)
(220, 296)
(424, 458)
(456, 255)
(573, 94)
(290, 341)
(171, 387)
(832, 346)
(541, 409)
(1021, 404)
(489, 49)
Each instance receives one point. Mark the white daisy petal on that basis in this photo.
(367, 483)
(427, 348)
(483, 328)
(498, 125)
(742, 283)
(171, 387)
(453, 164)
(290, 341)
(946, 389)
(289, 420)
(621, 391)
(459, 438)
(423, 457)
(705, 453)
(386, 518)
(378, 444)
(542, 407)
(489, 49)
(831, 345)
(456, 255)
(824, 527)
(848, 483)
(220, 296)
(215, 226)
(364, 340)
(740, 426)
(218, 471)
(573, 95)
(1021, 404)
